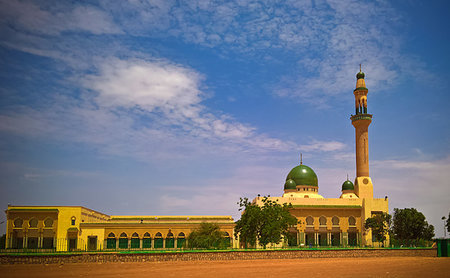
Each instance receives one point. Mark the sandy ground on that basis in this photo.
(333, 267)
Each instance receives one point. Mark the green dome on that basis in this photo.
(303, 175)
(347, 185)
(290, 184)
(360, 75)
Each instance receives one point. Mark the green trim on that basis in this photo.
(361, 117)
(326, 206)
(361, 89)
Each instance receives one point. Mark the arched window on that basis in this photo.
(159, 241)
(33, 222)
(48, 223)
(135, 241)
(322, 221)
(18, 223)
(351, 221)
(123, 241)
(147, 241)
(335, 221)
(72, 221)
(181, 239)
(111, 241)
(309, 221)
(170, 241)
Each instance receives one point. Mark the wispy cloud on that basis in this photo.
(30, 17)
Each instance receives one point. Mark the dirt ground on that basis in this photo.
(327, 267)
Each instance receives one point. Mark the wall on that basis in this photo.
(213, 256)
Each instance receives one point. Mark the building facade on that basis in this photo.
(336, 221)
(76, 228)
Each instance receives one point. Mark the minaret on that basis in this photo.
(361, 122)
(363, 183)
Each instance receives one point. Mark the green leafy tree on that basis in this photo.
(409, 226)
(207, 236)
(276, 222)
(379, 224)
(266, 224)
(247, 228)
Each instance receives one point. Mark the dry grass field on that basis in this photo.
(326, 267)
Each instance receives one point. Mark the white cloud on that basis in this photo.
(29, 17)
(419, 184)
(324, 146)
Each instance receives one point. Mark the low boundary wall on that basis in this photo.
(211, 256)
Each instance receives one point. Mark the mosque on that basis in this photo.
(335, 221)
(321, 221)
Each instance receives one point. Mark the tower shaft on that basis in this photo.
(362, 145)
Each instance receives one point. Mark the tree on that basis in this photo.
(247, 228)
(409, 226)
(379, 224)
(267, 224)
(207, 235)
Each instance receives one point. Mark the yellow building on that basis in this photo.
(72, 228)
(335, 221)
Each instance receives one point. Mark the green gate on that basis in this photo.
(159, 242)
(111, 243)
(123, 243)
(170, 242)
(147, 243)
(135, 243)
(180, 242)
(443, 247)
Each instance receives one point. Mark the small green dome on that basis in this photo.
(290, 184)
(303, 175)
(347, 185)
(360, 75)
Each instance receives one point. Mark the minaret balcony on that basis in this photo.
(361, 117)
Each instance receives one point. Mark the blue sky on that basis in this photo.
(182, 107)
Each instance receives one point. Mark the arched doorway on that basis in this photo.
(226, 240)
(123, 241)
(159, 241)
(181, 239)
(111, 241)
(147, 241)
(135, 241)
(170, 241)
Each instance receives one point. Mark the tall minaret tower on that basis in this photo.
(361, 122)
